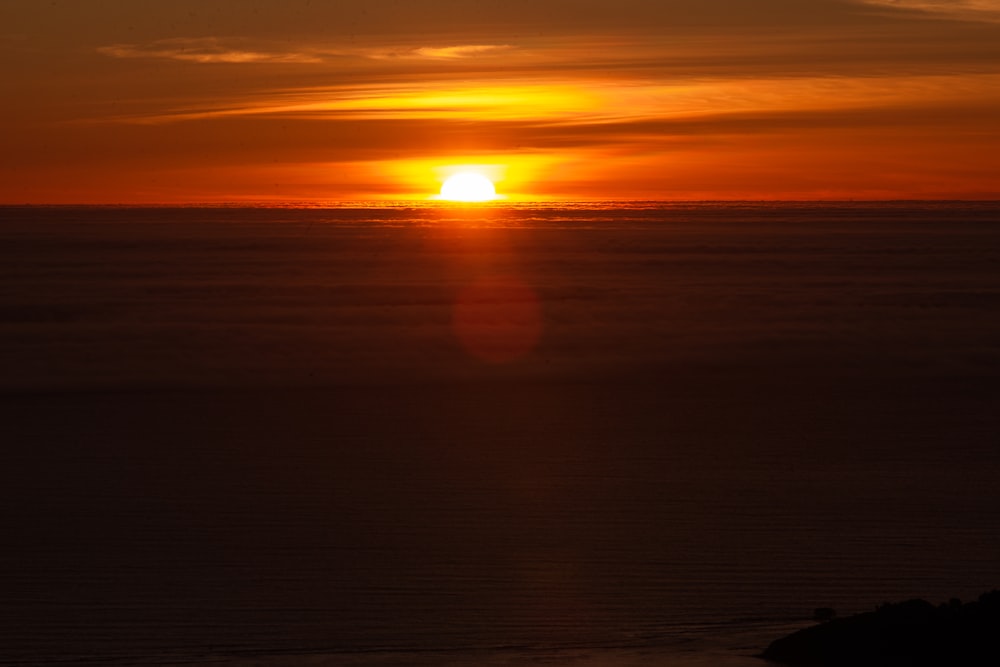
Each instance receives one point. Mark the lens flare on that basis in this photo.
(498, 319)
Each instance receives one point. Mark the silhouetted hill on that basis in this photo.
(907, 634)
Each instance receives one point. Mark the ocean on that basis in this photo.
(613, 435)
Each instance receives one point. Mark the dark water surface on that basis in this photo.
(659, 435)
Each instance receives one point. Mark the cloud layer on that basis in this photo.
(215, 50)
(972, 10)
(696, 98)
(205, 50)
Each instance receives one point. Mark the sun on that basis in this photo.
(468, 186)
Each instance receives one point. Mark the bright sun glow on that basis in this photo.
(470, 186)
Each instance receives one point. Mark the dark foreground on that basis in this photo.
(907, 634)
(607, 437)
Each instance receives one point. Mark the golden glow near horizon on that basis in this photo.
(646, 100)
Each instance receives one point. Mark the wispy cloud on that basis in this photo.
(552, 102)
(515, 99)
(219, 50)
(206, 50)
(973, 10)
(455, 52)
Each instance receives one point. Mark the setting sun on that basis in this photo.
(468, 186)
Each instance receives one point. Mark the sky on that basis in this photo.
(191, 101)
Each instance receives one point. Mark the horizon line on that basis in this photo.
(425, 203)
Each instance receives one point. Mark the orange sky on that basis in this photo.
(115, 101)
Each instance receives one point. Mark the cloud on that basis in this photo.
(206, 50)
(219, 50)
(972, 10)
(516, 99)
(551, 101)
(453, 52)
